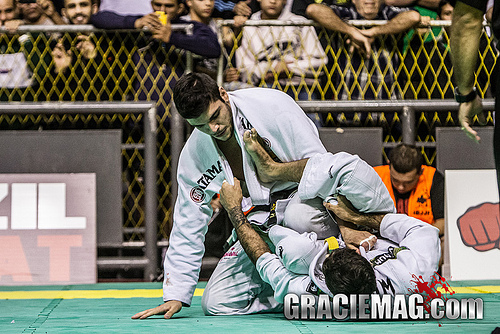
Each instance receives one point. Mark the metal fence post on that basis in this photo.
(150, 215)
(189, 54)
(408, 125)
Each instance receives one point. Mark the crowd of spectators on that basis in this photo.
(355, 63)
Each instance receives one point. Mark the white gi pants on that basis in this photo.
(236, 287)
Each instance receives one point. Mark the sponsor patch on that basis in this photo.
(197, 195)
(392, 253)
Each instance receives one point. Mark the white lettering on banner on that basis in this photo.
(23, 206)
(50, 211)
(52, 208)
(4, 191)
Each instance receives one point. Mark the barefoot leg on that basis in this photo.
(265, 165)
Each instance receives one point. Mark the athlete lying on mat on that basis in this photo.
(406, 246)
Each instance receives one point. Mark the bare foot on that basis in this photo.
(263, 161)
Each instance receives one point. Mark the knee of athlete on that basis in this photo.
(302, 217)
(208, 304)
(347, 272)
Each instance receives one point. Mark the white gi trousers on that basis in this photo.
(236, 287)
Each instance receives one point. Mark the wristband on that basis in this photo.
(465, 98)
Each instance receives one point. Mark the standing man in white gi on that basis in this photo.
(215, 152)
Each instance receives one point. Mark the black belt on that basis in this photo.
(271, 208)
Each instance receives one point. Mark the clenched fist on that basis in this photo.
(479, 227)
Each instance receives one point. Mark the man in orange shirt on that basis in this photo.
(416, 189)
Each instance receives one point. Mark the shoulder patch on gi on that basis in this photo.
(313, 289)
(392, 253)
(197, 194)
(386, 286)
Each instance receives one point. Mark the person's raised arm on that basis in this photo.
(50, 10)
(327, 18)
(230, 198)
(111, 20)
(466, 30)
(400, 23)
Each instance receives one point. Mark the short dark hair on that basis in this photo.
(193, 94)
(404, 158)
(441, 5)
(348, 273)
(92, 2)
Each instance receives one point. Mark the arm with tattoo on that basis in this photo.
(230, 198)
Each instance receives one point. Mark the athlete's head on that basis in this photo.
(204, 105)
(347, 272)
(405, 163)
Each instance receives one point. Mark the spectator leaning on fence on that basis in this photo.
(154, 67)
(39, 12)
(428, 60)
(290, 58)
(201, 11)
(73, 77)
(21, 57)
(75, 12)
(368, 73)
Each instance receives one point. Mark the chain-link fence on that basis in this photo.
(415, 65)
(127, 65)
(124, 66)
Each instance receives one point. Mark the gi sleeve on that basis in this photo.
(419, 237)
(186, 247)
(345, 174)
(283, 282)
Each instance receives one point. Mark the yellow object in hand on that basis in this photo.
(162, 17)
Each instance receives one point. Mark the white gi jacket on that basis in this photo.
(202, 168)
(409, 248)
(291, 135)
(328, 174)
(263, 47)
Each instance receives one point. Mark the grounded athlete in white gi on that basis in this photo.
(407, 248)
